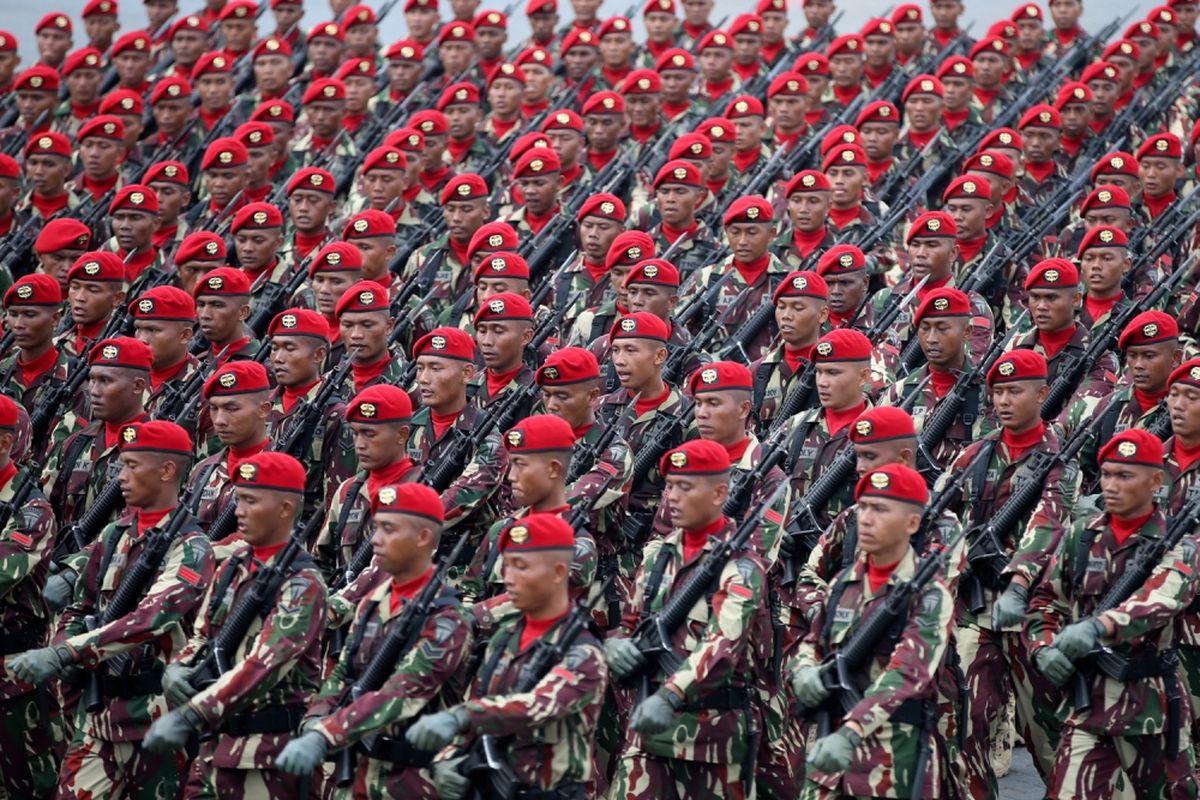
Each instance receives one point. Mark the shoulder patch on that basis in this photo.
(931, 601)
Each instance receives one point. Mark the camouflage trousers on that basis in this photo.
(998, 665)
(94, 768)
(381, 780)
(781, 762)
(29, 747)
(207, 781)
(645, 777)
(1087, 765)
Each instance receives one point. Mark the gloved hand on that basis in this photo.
(310, 724)
(38, 666)
(435, 731)
(656, 712)
(1079, 638)
(1054, 665)
(788, 546)
(303, 754)
(449, 782)
(176, 683)
(834, 752)
(623, 656)
(1009, 608)
(171, 731)
(809, 689)
(60, 590)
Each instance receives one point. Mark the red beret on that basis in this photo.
(1161, 145)
(224, 153)
(274, 110)
(9, 168)
(504, 306)
(121, 351)
(801, 284)
(212, 64)
(237, 8)
(653, 272)
(170, 87)
(50, 143)
(721, 376)
(844, 155)
(1027, 11)
(155, 436)
(336, 257)
(714, 38)
(604, 205)
(535, 162)
(1099, 71)
(882, 424)
(526, 142)
(603, 103)
(1149, 327)
(135, 197)
(563, 120)
(8, 413)
(312, 178)
(8, 42)
(461, 93)
(410, 140)
(680, 173)
(932, 225)
(923, 84)
(640, 325)
(492, 236)
(456, 32)
(812, 64)
(1071, 93)
(878, 26)
(848, 44)
(356, 68)
(507, 70)
(968, 187)
(1122, 48)
(502, 265)
(1052, 273)
(878, 111)
(1107, 196)
(364, 296)
(955, 67)
(98, 266)
(465, 186)
(226, 281)
(568, 366)
(744, 106)
(808, 180)
(453, 343)
(299, 322)
(1041, 116)
(36, 289)
(696, 457)
(167, 172)
(54, 20)
(1188, 372)
(1102, 236)
(641, 81)
(537, 532)
(256, 216)
(491, 19)
(330, 30)
(534, 56)
(1142, 30)
(324, 89)
(841, 259)
(166, 303)
(63, 233)
(577, 37)
(255, 134)
(842, 344)
(1133, 446)
(137, 41)
(991, 161)
(659, 7)
(369, 223)
(771, 7)
(1001, 139)
(676, 58)
(746, 25)
(237, 377)
(691, 145)
(943, 302)
(413, 499)
(1118, 163)
(272, 46)
(405, 50)
(278, 472)
(122, 101)
(718, 129)
(1020, 364)
(893, 482)
(381, 403)
(541, 433)
(83, 58)
(358, 15)
(38, 78)
(749, 209)
(201, 246)
(995, 45)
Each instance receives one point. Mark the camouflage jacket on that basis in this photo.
(609, 473)
(637, 434)
(72, 416)
(451, 278)
(469, 499)
(989, 484)
(812, 449)
(784, 248)
(478, 392)
(979, 336)
(976, 419)
(79, 469)
(214, 488)
(1097, 384)
(328, 452)
(725, 644)
(419, 683)
(1082, 571)
(1179, 486)
(278, 663)
(549, 732)
(899, 675)
(150, 634)
(576, 281)
(26, 544)
(159, 393)
(736, 301)
(343, 156)
(1111, 414)
(346, 521)
(691, 254)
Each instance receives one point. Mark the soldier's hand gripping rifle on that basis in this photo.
(134, 584)
(31, 478)
(741, 486)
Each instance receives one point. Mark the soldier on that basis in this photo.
(877, 745)
(47, 166)
(259, 141)
(460, 102)
(225, 168)
(990, 62)
(101, 150)
(548, 728)
(407, 530)
(365, 325)
(749, 123)
(503, 328)
(374, 234)
(1161, 160)
(1041, 133)
(106, 757)
(253, 705)
(603, 121)
(385, 178)
(627, 250)
(324, 104)
(801, 310)
(959, 117)
(696, 734)
(968, 199)
(198, 253)
(258, 240)
(222, 307)
(164, 318)
(908, 24)
(678, 193)
(601, 219)
(236, 397)
(879, 131)
(135, 215)
(32, 310)
(1133, 715)
(844, 268)
(311, 204)
(95, 289)
(538, 174)
(845, 54)
(331, 271)
(169, 180)
(805, 234)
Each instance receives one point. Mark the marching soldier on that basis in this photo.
(364, 323)
(222, 307)
(801, 309)
(96, 288)
(503, 328)
(629, 249)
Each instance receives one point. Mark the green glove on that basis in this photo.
(303, 754)
(834, 752)
(435, 731)
(1009, 608)
(788, 545)
(176, 683)
(60, 590)
(449, 782)
(38, 666)
(1079, 638)
(809, 688)
(1054, 665)
(656, 713)
(623, 656)
(171, 731)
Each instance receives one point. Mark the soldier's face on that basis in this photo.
(657, 300)
(367, 333)
(694, 501)
(52, 45)
(220, 317)
(696, 11)
(142, 476)
(1104, 94)
(845, 70)
(442, 382)
(456, 56)
(271, 72)
(100, 30)
(989, 69)
(296, 360)
(502, 343)
(923, 112)
(1075, 118)
(540, 191)
(377, 252)
(461, 120)
(660, 25)
(310, 210)
(239, 420)
(215, 90)
(159, 11)
(329, 286)
(57, 263)
(942, 340)
(847, 183)
(749, 133)
(958, 92)
(878, 139)
(259, 167)
(1183, 403)
(676, 204)
(1103, 268)
(171, 115)
(188, 46)
(676, 84)
(325, 117)
(8, 65)
(880, 50)
(134, 230)
(840, 383)
(132, 66)
(32, 326)
(1053, 309)
(1029, 34)
(47, 174)
(421, 22)
(256, 248)
(505, 97)
(533, 477)
(264, 515)
(464, 217)
(490, 42)
(638, 362)
(970, 215)
(464, 9)
(572, 402)
(596, 235)
(93, 301)
(788, 111)
(749, 240)
(1150, 365)
(615, 49)
(168, 341)
(538, 81)
(643, 109)
(1065, 13)
(359, 90)
(115, 392)
(579, 60)
(1018, 404)
(223, 184)
(808, 210)
(716, 63)
(877, 454)
(240, 35)
(399, 541)
(84, 85)
(488, 287)
(403, 75)
(721, 416)
(534, 579)
(603, 130)
(287, 14)
(799, 319)
(818, 12)
(383, 185)
(1128, 489)
(360, 39)
(746, 49)
(846, 292)
(909, 37)
(378, 445)
(884, 525)
(931, 256)
(100, 157)
(1040, 144)
(1159, 175)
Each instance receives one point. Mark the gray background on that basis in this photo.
(19, 17)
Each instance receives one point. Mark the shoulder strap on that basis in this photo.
(228, 571)
(850, 542)
(797, 444)
(499, 645)
(762, 376)
(979, 478)
(62, 481)
(1083, 546)
(355, 641)
(654, 582)
(831, 603)
(347, 507)
(1108, 422)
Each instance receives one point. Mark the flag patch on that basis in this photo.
(189, 575)
(741, 591)
(23, 539)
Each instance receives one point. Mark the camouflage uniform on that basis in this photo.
(80, 468)
(328, 452)
(710, 748)
(973, 422)
(480, 395)
(1124, 731)
(29, 742)
(1178, 488)
(215, 493)
(1099, 381)
(812, 448)
(737, 300)
(979, 334)
(451, 280)
(162, 391)
(72, 416)
(784, 248)
(105, 754)
(1119, 411)
(272, 671)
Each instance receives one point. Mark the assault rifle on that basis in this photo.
(52, 401)
(31, 478)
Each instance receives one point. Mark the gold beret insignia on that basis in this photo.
(1007, 368)
(629, 325)
(824, 348)
(1127, 449)
(1051, 276)
(146, 306)
(129, 434)
(387, 495)
(361, 225)
(863, 427)
(109, 352)
(679, 459)
(518, 534)
(248, 472)
(880, 480)
(367, 410)
(1150, 329)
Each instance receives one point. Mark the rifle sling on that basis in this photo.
(62, 481)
